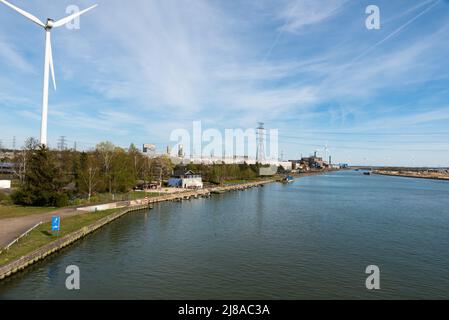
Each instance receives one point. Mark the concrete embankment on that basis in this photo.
(47, 250)
(411, 175)
(51, 248)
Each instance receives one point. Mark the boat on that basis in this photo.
(288, 179)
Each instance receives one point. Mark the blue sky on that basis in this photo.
(136, 70)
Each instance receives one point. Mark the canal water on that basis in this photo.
(310, 239)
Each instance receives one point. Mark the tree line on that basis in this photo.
(53, 177)
(219, 173)
(61, 177)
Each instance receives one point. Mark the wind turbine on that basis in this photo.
(48, 62)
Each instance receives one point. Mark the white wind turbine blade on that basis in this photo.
(52, 67)
(63, 21)
(24, 13)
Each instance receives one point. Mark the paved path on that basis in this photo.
(11, 228)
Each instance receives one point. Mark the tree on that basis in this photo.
(88, 174)
(21, 158)
(121, 172)
(106, 151)
(137, 161)
(43, 184)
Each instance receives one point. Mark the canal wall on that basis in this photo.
(47, 250)
(411, 175)
(136, 205)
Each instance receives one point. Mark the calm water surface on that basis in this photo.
(310, 239)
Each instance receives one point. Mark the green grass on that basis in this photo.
(14, 211)
(11, 211)
(43, 235)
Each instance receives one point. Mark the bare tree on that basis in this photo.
(106, 151)
(21, 158)
(90, 180)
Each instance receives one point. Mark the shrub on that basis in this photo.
(61, 200)
(4, 198)
(21, 198)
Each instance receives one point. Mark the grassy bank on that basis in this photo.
(15, 211)
(12, 211)
(43, 235)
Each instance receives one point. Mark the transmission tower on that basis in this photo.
(62, 145)
(261, 142)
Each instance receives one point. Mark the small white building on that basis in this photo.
(187, 180)
(5, 184)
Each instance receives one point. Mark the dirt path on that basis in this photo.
(11, 228)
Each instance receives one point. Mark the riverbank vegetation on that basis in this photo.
(67, 177)
(220, 173)
(60, 178)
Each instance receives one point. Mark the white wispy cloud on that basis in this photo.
(302, 13)
(11, 56)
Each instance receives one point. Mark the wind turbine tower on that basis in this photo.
(48, 61)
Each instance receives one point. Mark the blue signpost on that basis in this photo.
(55, 224)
